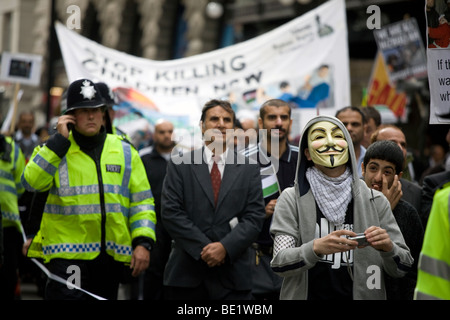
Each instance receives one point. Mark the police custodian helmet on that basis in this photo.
(106, 93)
(83, 93)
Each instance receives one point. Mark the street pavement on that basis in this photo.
(29, 291)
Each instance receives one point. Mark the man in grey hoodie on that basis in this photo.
(314, 220)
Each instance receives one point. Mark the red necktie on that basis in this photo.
(215, 179)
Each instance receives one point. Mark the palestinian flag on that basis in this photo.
(269, 181)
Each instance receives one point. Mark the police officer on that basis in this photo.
(12, 163)
(110, 100)
(99, 213)
(433, 280)
(1, 240)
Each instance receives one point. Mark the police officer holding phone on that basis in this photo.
(99, 213)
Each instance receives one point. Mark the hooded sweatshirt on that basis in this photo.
(296, 217)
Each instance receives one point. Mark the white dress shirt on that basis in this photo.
(219, 159)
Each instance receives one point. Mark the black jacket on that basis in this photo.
(193, 221)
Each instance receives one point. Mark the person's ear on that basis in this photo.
(260, 122)
(400, 175)
(307, 154)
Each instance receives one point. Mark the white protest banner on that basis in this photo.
(308, 52)
(438, 63)
(439, 81)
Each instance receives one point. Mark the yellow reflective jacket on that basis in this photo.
(12, 163)
(433, 281)
(91, 204)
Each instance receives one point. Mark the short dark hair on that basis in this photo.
(352, 108)
(273, 103)
(385, 150)
(218, 103)
(370, 112)
(27, 112)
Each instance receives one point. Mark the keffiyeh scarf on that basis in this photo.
(332, 194)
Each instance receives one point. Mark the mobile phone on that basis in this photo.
(361, 238)
(70, 126)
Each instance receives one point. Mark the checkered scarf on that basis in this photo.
(332, 194)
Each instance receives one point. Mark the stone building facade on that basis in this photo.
(145, 28)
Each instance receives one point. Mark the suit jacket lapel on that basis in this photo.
(230, 174)
(202, 175)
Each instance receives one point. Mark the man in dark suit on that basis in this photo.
(431, 183)
(212, 232)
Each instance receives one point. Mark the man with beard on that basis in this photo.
(355, 122)
(316, 219)
(25, 137)
(277, 159)
(155, 163)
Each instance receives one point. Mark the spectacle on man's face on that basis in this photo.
(327, 145)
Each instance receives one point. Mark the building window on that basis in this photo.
(91, 25)
(7, 32)
(181, 42)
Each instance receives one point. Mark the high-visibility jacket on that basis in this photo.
(433, 280)
(12, 163)
(91, 204)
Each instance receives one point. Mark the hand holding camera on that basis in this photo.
(379, 239)
(376, 237)
(345, 240)
(361, 239)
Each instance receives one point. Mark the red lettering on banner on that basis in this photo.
(387, 95)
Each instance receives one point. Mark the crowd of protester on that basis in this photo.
(411, 189)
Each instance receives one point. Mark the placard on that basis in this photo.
(21, 68)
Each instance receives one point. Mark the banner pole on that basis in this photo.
(16, 102)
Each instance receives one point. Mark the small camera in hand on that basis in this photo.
(361, 238)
